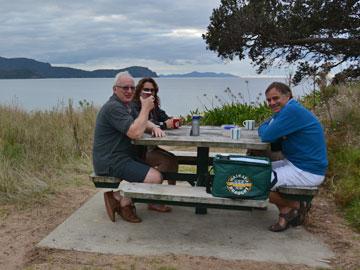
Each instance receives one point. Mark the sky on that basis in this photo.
(163, 35)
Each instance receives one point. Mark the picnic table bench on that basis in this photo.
(185, 196)
(298, 193)
(194, 196)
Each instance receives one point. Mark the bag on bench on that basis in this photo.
(242, 177)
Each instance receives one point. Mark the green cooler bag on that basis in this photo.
(243, 177)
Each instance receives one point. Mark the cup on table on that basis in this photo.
(176, 122)
(227, 129)
(235, 133)
(195, 125)
(249, 124)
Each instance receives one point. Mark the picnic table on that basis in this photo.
(210, 136)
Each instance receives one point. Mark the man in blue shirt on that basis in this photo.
(303, 146)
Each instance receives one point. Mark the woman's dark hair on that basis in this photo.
(281, 87)
(140, 86)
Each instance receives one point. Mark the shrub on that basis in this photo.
(234, 110)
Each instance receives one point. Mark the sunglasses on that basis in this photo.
(149, 90)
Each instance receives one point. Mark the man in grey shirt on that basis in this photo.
(117, 123)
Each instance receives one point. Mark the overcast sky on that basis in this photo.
(164, 35)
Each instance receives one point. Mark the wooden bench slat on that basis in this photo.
(298, 190)
(186, 194)
(104, 181)
(190, 157)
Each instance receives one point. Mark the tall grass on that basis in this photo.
(339, 111)
(36, 146)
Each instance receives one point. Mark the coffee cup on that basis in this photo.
(249, 124)
(176, 122)
(235, 133)
(146, 93)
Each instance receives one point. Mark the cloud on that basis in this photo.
(185, 33)
(110, 18)
(161, 34)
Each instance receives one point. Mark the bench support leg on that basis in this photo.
(202, 171)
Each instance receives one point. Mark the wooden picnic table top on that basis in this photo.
(210, 136)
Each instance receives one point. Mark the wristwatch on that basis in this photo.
(162, 125)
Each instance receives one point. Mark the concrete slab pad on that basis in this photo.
(227, 234)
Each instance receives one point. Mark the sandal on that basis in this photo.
(159, 208)
(289, 217)
(303, 210)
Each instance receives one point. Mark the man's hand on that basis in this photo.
(147, 104)
(157, 132)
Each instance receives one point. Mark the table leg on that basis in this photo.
(202, 171)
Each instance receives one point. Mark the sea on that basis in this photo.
(178, 96)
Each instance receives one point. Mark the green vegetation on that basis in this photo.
(233, 109)
(339, 112)
(38, 148)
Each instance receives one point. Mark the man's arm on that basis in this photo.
(138, 127)
(142, 124)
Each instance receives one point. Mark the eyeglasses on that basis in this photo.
(126, 87)
(152, 90)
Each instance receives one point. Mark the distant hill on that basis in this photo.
(196, 74)
(24, 68)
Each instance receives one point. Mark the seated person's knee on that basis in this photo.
(153, 177)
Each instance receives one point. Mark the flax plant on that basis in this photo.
(233, 109)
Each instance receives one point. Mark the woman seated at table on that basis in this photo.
(303, 147)
(157, 157)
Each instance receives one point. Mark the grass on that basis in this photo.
(37, 148)
(339, 112)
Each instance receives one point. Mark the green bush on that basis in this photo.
(235, 114)
(234, 110)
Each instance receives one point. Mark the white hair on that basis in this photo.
(122, 74)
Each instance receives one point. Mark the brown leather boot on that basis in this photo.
(111, 205)
(128, 213)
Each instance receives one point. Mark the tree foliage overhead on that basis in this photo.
(315, 35)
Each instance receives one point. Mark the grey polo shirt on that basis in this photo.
(111, 146)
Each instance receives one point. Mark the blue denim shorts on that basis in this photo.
(130, 170)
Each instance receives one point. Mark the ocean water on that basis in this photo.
(179, 96)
